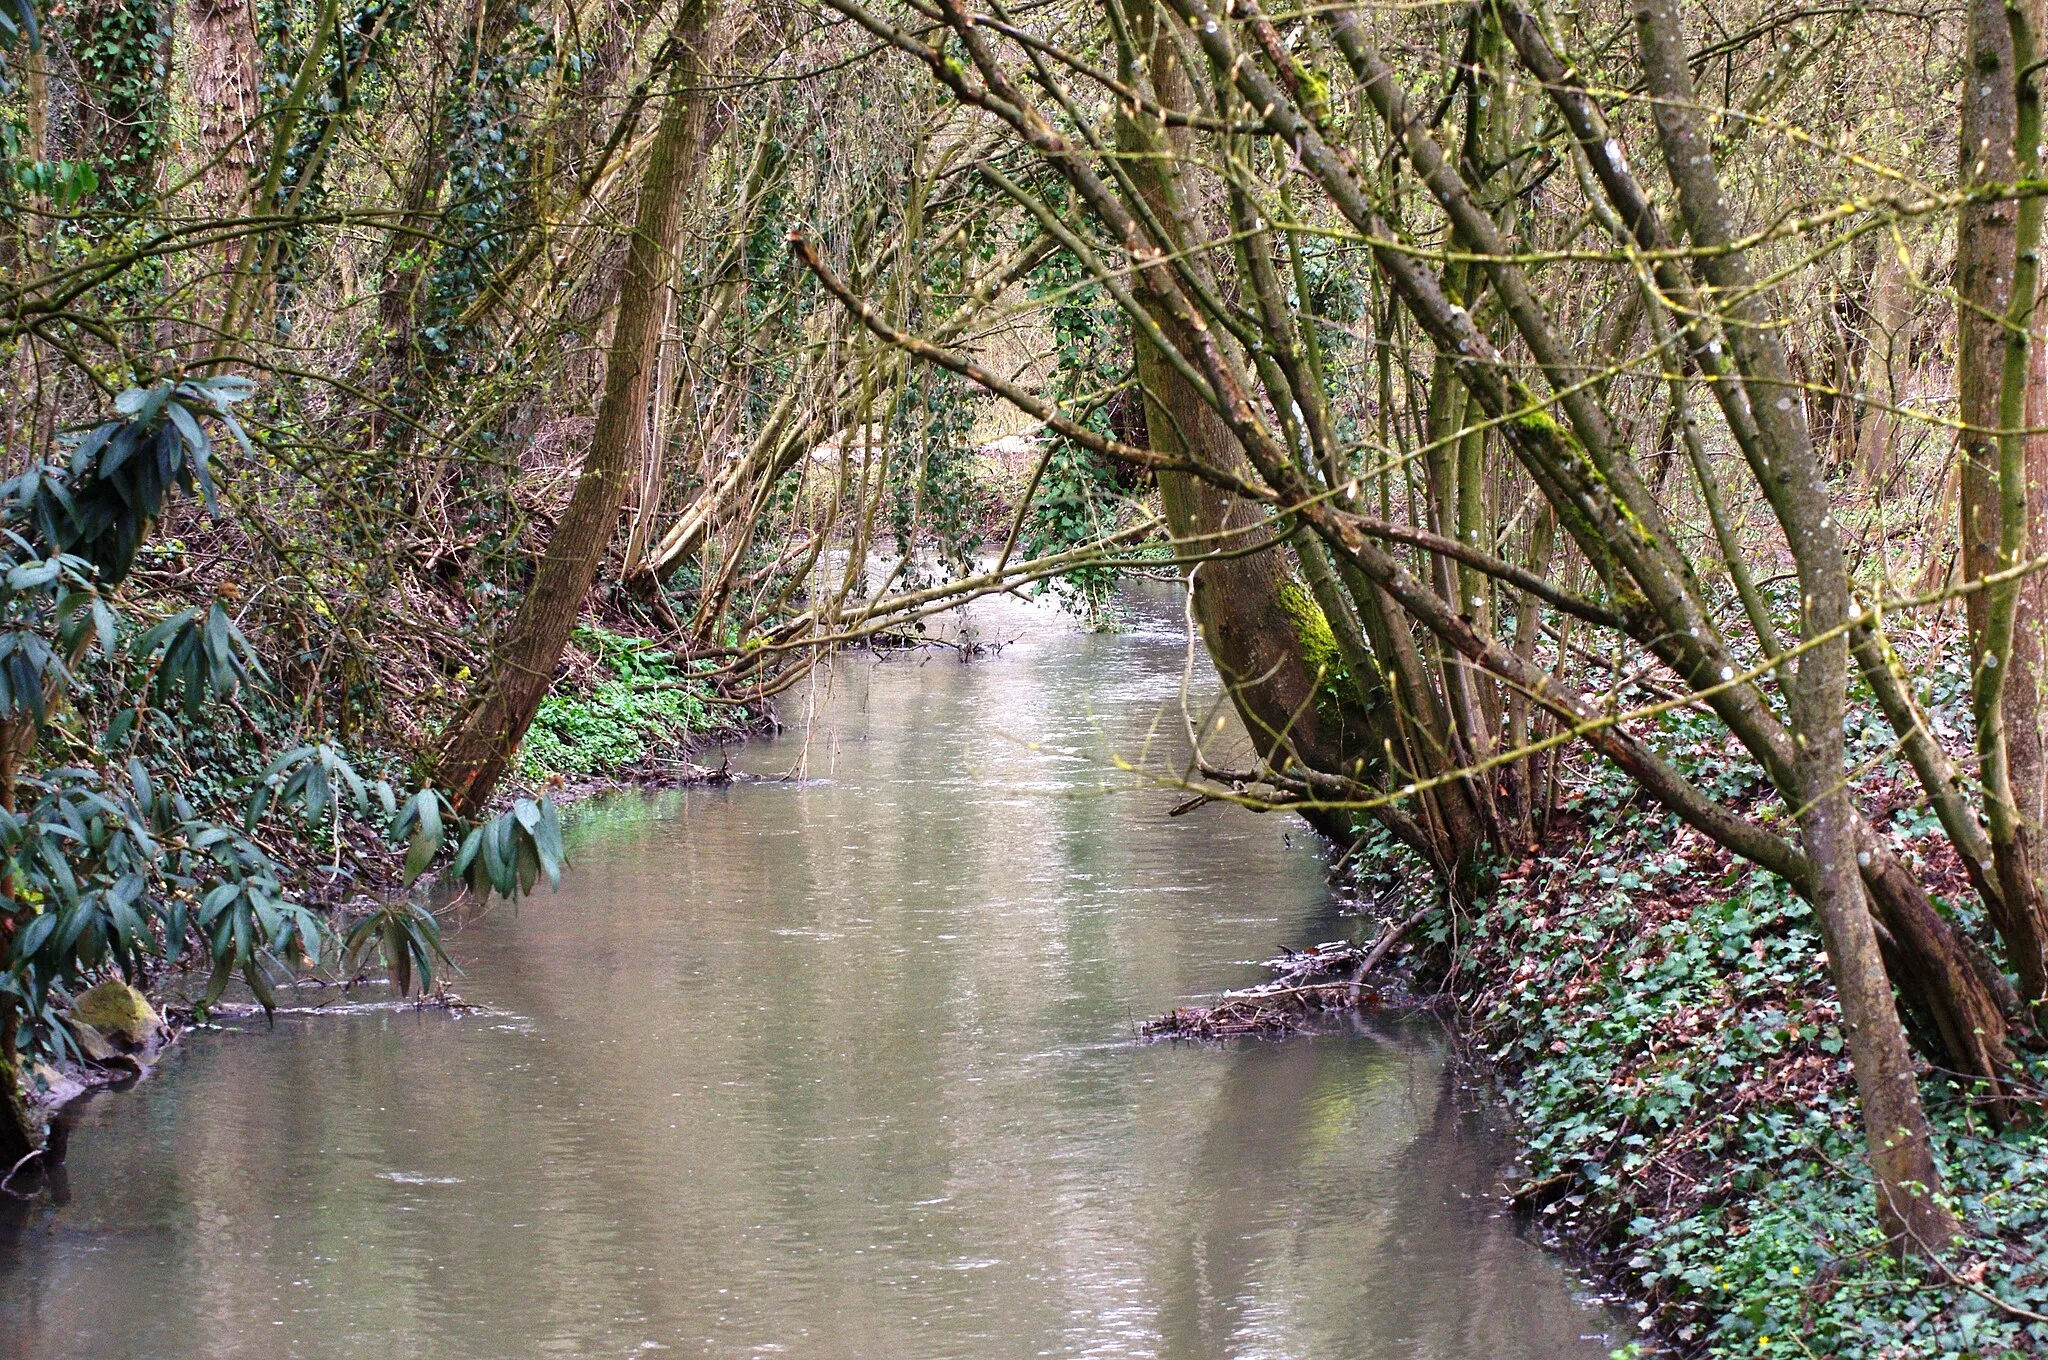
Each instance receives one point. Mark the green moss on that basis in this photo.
(118, 1011)
(1542, 425)
(1539, 423)
(1315, 87)
(1311, 628)
(1336, 687)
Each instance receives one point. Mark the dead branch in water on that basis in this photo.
(1308, 985)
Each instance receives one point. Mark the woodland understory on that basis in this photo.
(1658, 1019)
(1606, 450)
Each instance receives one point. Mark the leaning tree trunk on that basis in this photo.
(1899, 1146)
(1252, 615)
(480, 744)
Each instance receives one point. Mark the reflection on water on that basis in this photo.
(840, 1068)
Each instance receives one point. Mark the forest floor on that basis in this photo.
(1658, 1019)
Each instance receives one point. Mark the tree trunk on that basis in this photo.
(221, 68)
(1985, 266)
(1251, 613)
(480, 744)
(1901, 1154)
(221, 75)
(1887, 367)
(1249, 622)
(1957, 995)
(20, 1131)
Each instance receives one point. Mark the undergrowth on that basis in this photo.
(1660, 1018)
(640, 705)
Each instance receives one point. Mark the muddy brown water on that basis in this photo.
(833, 1068)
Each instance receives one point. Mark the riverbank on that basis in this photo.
(1658, 1019)
(625, 714)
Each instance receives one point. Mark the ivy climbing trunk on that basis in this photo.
(481, 742)
(117, 48)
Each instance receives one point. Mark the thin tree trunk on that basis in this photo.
(20, 1131)
(1886, 370)
(481, 743)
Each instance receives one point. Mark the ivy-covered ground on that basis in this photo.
(1661, 1023)
(630, 712)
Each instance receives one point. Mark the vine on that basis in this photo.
(121, 51)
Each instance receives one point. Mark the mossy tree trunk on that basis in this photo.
(1254, 617)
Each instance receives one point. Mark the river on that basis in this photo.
(834, 1067)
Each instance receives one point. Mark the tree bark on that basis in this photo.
(481, 743)
(221, 73)
(20, 1131)
(1250, 611)
(1986, 264)
(222, 70)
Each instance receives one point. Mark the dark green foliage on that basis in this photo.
(18, 24)
(204, 656)
(488, 206)
(352, 57)
(352, 60)
(934, 499)
(110, 863)
(508, 854)
(64, 183)
(408, 937)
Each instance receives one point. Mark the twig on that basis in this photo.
(1388, 938)
(26, 1158)
(2010, 1309)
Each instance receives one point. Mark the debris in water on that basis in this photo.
(1322, 980)
(438, 1000)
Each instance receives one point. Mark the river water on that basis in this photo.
(839, 1067)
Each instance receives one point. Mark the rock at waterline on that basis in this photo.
(118, 1012)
